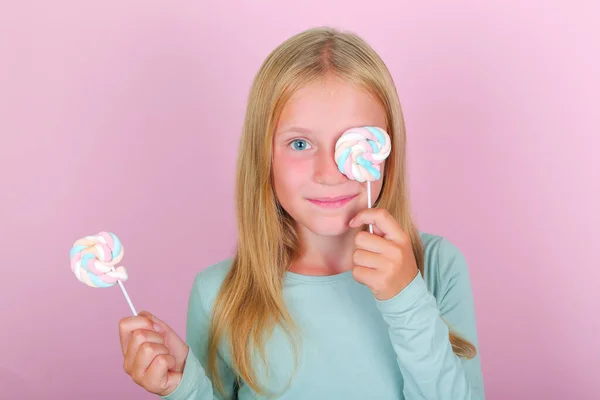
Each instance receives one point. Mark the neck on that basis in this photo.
(324, 255)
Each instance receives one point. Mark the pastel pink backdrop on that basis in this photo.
(125, 116)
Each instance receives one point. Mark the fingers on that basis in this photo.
(366, 269)
(157, 373)
(129, 325)
(146, 355)
(368, 259)
(376, 244)
(153, 354)
(141, 344)
(159, 325)
(176, 345)
(382, 220)
(365, 275)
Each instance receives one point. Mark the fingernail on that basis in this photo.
(351, 221)
(157, 328)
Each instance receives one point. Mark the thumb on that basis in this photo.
(159, 325)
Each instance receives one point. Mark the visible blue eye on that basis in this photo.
(299, 144)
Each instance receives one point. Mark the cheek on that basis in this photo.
(291, 174)
(376, 188)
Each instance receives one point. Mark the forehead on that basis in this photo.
(329, 107)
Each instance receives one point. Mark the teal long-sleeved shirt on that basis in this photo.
(353, 346)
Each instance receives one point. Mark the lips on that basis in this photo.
(333, 202)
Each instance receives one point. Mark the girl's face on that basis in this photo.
(307, 182)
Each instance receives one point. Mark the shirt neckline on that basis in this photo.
(339, 277)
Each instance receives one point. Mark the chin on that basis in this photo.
(327, 226)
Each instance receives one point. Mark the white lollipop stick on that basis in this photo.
(369, 202)
(126, 296)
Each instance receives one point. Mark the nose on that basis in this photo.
(326, 171)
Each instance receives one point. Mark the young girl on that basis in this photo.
(313, 305)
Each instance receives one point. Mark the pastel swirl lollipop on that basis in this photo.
(359, 153)
(93, 261)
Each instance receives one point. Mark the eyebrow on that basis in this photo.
(296, 129)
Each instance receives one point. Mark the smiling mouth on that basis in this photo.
(332, 202)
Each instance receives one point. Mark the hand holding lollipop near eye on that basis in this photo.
(384, 262)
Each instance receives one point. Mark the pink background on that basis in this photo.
(125, 116)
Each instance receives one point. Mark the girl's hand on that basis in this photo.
(384, 261)
(154, 356)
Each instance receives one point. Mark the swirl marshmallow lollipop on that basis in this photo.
(93, 260)
(359, 153)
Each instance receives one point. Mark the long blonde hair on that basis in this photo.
(250, 302)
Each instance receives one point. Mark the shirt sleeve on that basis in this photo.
(195, 385)
(419, 332)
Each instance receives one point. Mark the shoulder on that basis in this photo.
(441, 249)
(445, 264)
(208, 281)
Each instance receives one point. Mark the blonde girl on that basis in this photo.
(312, 305)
